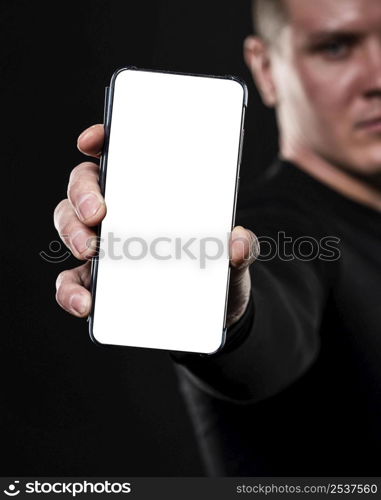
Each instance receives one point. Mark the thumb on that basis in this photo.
(244, 248)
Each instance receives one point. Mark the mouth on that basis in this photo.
(372, 125)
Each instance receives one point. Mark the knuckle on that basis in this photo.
(74, 187)
(74, 173)
(84, 168)
(63, 275)
(59, 207)
(67, 228)
(83, 181)
(58, 212)
(59, 296)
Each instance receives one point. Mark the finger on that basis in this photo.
(77, 236)
(90, 141)
(72, 292)
(244, 248)
(85, 195)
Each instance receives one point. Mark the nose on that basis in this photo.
(372, 60)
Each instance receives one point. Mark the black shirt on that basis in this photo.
(296, 390)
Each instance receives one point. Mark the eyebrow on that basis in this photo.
(320, 36)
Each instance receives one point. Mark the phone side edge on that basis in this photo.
(237, 183)
(107, 112)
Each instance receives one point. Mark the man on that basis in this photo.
(297, 388)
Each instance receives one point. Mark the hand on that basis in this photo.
(85, 208)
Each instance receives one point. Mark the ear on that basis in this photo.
(257, 57)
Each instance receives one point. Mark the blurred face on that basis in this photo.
(327, 76)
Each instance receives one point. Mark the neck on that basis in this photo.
(351, 186)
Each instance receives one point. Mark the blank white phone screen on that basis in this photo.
(172, 164)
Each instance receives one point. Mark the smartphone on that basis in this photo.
(169, 173)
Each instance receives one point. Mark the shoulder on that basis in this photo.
(284, 198)
(291, 214)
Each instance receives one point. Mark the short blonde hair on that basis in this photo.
(269, 16)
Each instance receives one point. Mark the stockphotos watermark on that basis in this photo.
(67, 488)
(200, 250)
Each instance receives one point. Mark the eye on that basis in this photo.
(335, 49)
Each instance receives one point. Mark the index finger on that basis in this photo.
(90, 141)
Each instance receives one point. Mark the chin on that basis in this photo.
(366, 162)
(369, 167)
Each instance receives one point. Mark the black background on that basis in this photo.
(69, 407)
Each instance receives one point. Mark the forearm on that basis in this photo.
(271, 346)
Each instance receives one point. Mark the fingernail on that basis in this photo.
(80, 241)
(79, 303)
(88, 205)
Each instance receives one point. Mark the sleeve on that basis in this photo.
(277, 339)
